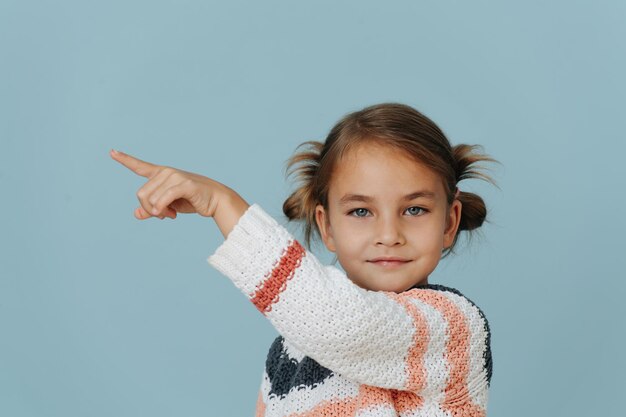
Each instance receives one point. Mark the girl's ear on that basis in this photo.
(452, 223)
(323, 224)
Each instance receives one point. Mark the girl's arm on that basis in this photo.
(423, 340)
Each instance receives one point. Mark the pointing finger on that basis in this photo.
(143, 168)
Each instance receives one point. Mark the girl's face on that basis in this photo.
(384, 205)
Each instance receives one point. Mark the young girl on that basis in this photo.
(377, 339)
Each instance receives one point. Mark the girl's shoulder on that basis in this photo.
(444, 288)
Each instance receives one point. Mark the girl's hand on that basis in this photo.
(170, 190)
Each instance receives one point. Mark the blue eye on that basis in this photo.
(360, 212)
(414, 211)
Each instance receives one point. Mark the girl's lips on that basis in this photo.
(389, 262)
(389, 258)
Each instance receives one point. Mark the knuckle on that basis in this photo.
(178, 176)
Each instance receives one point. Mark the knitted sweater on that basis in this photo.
(347, 351)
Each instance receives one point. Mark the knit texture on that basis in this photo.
(347, 351)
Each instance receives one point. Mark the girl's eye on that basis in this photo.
(360, 212)
(414, 211)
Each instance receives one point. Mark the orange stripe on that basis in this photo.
(400, 401)
(269, 290)
(415, 361)
(370, 396)
(333, 408)
(406, 402)
(367, 397)
(457, 396)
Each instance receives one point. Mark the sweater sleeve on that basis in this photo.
(422, 340)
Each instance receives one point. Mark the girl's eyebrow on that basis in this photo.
(347, 198)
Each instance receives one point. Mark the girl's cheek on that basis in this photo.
(355, 234)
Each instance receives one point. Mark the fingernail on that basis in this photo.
(114, 151)
(155, 211)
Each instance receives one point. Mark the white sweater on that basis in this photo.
(347, 351)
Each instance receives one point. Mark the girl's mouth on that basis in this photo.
(389, 263)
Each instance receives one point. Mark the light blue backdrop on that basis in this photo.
(105, 315)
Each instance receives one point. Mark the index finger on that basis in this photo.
(143, 168)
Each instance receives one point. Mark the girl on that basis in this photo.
(377, 339)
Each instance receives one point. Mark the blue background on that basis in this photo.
(105, 315)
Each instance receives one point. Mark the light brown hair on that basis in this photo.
(393, 124)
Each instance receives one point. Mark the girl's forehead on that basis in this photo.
(381, 158)
(382, 169)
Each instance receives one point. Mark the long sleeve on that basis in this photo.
(426, 341)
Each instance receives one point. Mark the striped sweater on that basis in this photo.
(347, 351)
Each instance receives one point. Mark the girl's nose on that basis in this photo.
(389, 233)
